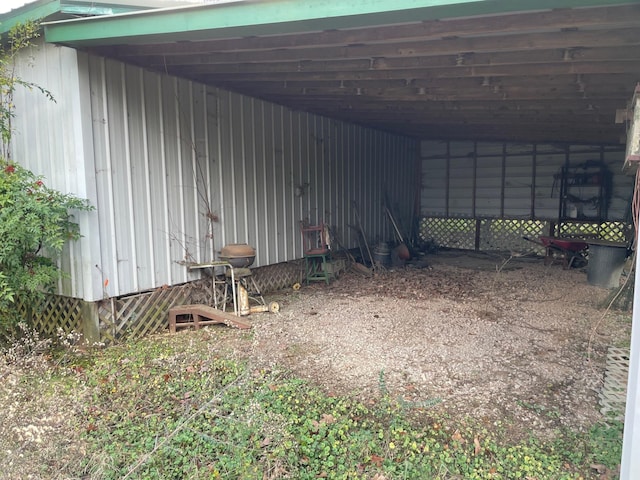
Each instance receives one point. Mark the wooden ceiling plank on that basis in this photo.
(449, 46)
(624, 53)
(432, 74)
(603, 17)
(291, 99)
(582, 82)
(471, 105)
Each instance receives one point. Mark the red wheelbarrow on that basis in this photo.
(572, 251)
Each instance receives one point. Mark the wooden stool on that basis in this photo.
(316, 268)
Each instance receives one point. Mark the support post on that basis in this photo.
(630, 468)
(90, 322)
(630, 465)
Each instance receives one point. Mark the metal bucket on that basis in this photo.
(382, 254)
(606, 261)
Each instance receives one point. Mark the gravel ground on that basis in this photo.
(494, 338)
(491, 337)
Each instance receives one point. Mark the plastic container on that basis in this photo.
(606, 261)
(382, 254)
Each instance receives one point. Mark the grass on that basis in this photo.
(175, 407)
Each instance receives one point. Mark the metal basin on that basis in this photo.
(238, 255)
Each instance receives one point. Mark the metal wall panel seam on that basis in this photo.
(533, 181)
(475, 179)
(327, 170)
(285, 230)
(243, 156)
(254, 180)
(503, 179)
(147, 174)
(220, 168)
(364, 202)
(328, 174)
(181, 189)
(165, 184)
(264, 184)
(271, 170)
(278, 169)
(290, 199)
(308, 133)
(194, 175)
(115, 277)
(365, 206)
(351, 198)
(91, 241)
(448, 180)
(299, 181)
(340, 198)
(310, 159)
(67, 145)
(232, 170)
(316, 146)
(322, 206)
(355, 184)
(207, 179)
(129, 186)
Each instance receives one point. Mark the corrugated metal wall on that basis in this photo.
(183, 169)
(506, 180)
(53, 139)
(177, 170)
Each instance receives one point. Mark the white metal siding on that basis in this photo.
(185, 169)
(176, 170)
(53, 139)
(494, 180)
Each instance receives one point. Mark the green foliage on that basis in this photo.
(34, 221)
(162, 408)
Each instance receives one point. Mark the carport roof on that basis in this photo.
(537, 70)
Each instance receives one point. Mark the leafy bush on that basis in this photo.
(34, 223)
(34, 220)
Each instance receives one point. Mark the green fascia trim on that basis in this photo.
(44, 9)
(78, 10)
(240, 19)
(31, 12)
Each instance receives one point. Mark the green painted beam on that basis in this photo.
(57, 9)
(32, 12)
(240, 18)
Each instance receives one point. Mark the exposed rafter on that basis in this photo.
(547, 74)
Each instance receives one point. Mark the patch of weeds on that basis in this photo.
(172, 407)
(39, 400)
(539, 409)
(600, 447)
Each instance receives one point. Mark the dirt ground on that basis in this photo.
(489, 336)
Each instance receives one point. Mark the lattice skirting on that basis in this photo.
(612, 231)
(53, 313)
(507, 234)
(613, 395)
(134, 316)
(276, 277)
(138, 315)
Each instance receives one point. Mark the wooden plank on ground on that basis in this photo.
(203, 315)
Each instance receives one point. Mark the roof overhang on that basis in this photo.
(531, 70)
(53, 10)
(241, 18)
